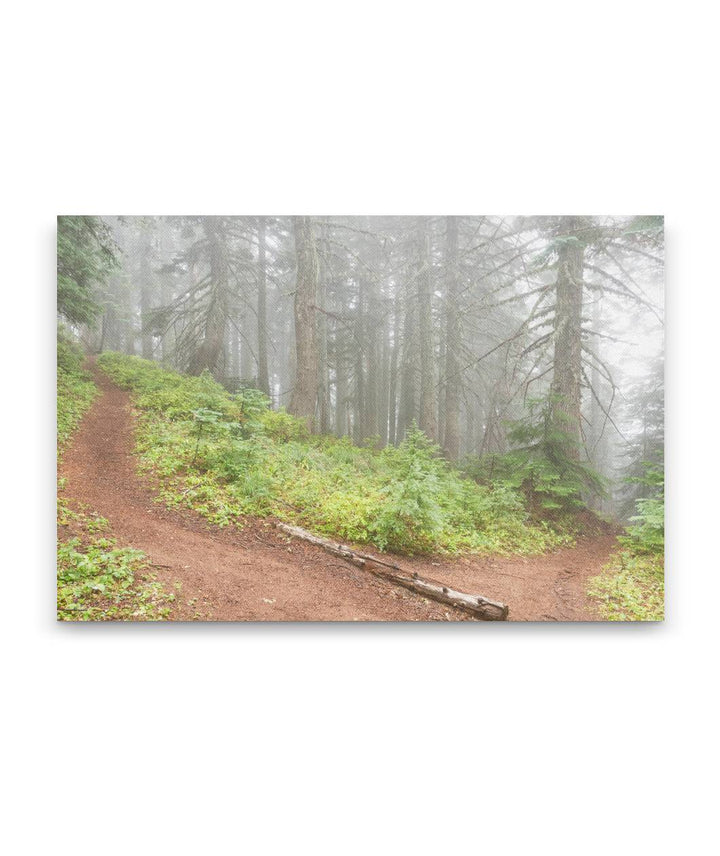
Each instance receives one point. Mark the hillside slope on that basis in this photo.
(257, 574)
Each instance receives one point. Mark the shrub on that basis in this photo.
(539, 464)
(283, 427)
(647, 535)
(97, 580)
(632, 587)
(227, 455)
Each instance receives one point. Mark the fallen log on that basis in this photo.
(480, 607)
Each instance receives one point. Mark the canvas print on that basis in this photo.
(360, 418)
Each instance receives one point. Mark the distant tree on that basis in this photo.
(209, 350)
(262, 358)
(213, 267)
(428, 407)
(366, 326)
(645, 452)
(305, 391)
(86, 256)
(451, 431)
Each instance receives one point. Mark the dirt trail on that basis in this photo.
(258, 574)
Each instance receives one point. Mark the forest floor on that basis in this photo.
(258, 573)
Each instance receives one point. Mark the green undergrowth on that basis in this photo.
(632, 586)
(227, 456)
(75, 390)
(99, 581)
(96, 579)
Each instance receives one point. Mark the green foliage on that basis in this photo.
(539, 463)
(99, 581)
(280, 425)
(651, 224)
(227, 456)
(96, 580)
(181, 397)
(410, 517)
(647, 535)
(632, 588)
(86, 255)
(75, 389)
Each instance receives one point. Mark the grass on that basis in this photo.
(227, 456)
(96, 579)
(631, 588)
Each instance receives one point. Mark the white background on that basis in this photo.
(359, 739)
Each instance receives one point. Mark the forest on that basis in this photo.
(447, 404)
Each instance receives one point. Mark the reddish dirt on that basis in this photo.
(259, 574)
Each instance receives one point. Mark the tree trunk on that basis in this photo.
(263, 374)
(451, 434)
(393, 380)
(340, 387)
(146, 288)
(247, 359)
(210, 351)
(359, 345)
(234, 351)
(428, 414)
(373, 326)
(322, 334)
(407, 412)
(567, 365)
(304, 396)
(384, 394)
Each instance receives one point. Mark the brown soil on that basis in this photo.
(259, 574)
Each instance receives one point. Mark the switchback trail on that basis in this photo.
(259, 574)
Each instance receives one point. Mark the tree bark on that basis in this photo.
(428, 413)
(234, 352)
(341, 393)
(359, 345)
(393, 370)
(210, 351)
(263, 374)
(567, 361)
(372, 328)
(304, 396)
(146, 288)
(384, 394)
(407, 410)
(322, 334)
(451, 434)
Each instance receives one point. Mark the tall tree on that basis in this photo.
(567, 337)
(145, 259)
(263, 375)
(428, 411)
(210, 349)
(304, 395)
(451, 432)
(86, 256)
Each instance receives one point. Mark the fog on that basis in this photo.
(366, 326)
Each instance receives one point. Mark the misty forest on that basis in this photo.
(347, 418)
